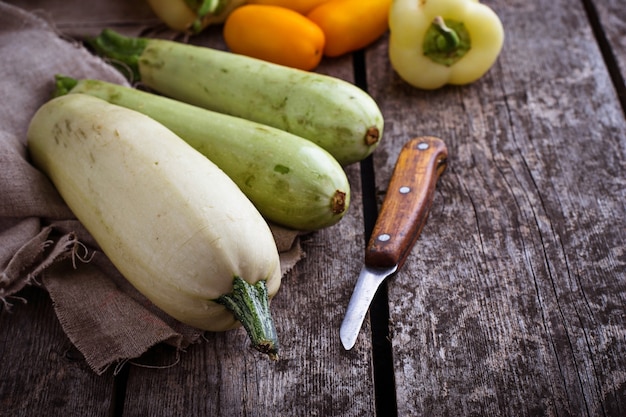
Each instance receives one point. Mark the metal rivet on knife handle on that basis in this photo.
(384, 237)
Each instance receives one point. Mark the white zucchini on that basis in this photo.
(174, 224)
(335, 114)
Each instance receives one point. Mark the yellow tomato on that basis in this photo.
(351, 24)
(300, 6)
(275, 34)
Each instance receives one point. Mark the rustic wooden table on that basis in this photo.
(512, 303)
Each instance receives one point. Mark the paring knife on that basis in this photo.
(400, 221)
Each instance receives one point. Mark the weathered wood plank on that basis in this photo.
(513, 301)
(42, 373)
(224, 377)
(315, 376)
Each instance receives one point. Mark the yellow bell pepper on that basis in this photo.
(437, 42)
(193, 16)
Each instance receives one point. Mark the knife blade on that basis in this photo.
(402, 216)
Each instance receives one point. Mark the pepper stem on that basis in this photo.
(207, 6)
(205, 9)
(446, 41)
(201, 8)
(123, 51)
(250, 305)
(449, 40)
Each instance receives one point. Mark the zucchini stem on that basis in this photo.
(122, 51)
(250, 305)
(63, 85)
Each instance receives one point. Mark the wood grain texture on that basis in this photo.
(513, 301)
(42, 373)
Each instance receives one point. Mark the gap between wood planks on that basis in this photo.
(119, 392)
(607, 52)
(382, 354)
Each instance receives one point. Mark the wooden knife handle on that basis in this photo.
(407, 203)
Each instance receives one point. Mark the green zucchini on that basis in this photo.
(291, 181)
(335, 114)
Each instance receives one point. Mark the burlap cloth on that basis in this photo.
(41, 243)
